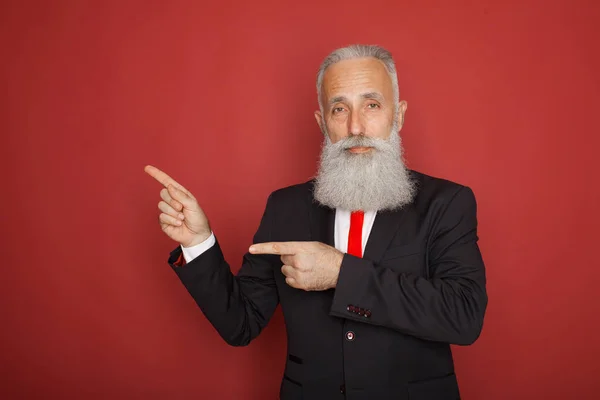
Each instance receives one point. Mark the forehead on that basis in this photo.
(357, 76)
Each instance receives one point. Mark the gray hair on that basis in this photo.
(360, 51)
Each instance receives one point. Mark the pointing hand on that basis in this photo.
(181, 217)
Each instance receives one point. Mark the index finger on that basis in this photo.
(163, 178)
(280, 248)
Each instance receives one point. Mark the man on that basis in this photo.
(376, 267)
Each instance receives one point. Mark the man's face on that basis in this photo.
(358, 99)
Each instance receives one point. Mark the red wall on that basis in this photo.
(503, 96)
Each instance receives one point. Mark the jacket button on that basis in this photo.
(350, 336)
(342, 389)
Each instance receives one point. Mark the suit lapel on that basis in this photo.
(384, 228)
(322, 221)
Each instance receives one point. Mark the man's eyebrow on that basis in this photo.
(337, 99)
(372, 95)
(368, 95)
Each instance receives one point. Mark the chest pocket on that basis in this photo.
(409, 258)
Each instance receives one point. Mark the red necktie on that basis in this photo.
(355, 233)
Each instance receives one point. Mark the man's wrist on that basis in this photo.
(197, 240)
(337, 262)
(190, 253)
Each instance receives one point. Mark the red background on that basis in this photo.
(502, 96)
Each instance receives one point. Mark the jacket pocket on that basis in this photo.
(408, 259)
(290, 389)
(402, 251)
(444, 388)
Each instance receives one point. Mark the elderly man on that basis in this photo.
(376, 267)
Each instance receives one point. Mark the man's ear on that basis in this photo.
(401, 110)
(320, 122)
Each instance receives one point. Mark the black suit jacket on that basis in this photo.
(385, 331)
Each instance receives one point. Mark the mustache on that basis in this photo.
(361, 141)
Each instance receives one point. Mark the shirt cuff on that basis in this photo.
(189, 253)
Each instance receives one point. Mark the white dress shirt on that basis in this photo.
(341, 230)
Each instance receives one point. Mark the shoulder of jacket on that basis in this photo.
(430, 186)
(293, 192)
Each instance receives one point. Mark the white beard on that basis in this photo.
(372, 181)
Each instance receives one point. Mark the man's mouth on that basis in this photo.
(359, 149)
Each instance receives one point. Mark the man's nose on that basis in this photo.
(355, 123)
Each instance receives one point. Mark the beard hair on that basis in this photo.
(373, 181)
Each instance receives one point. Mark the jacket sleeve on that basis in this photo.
(447, 306)
(238, 306)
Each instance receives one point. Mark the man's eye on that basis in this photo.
(338, 109)
(373, 105)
